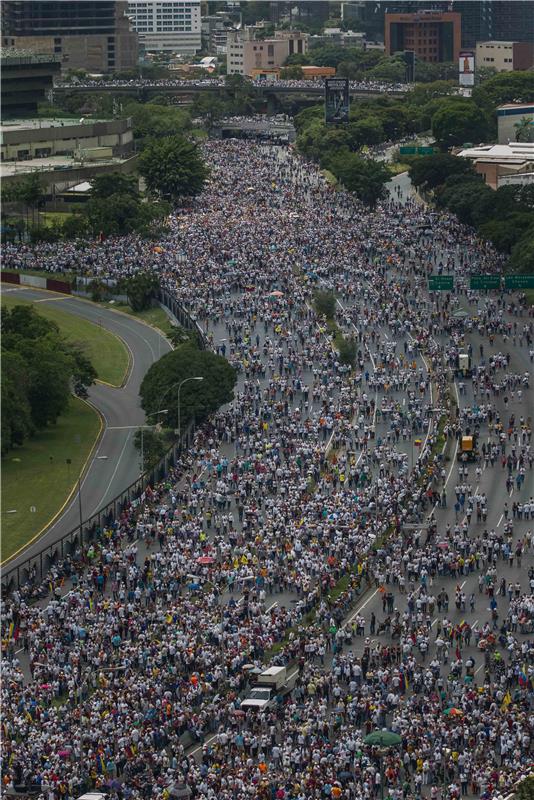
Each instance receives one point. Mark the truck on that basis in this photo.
(270, 683)
(463, 365)
(467, 451)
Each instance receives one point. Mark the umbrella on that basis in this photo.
(238, 713)
(193, 585)
(443, 545)
(276, 293)
(454, 712)
(383, 738)
(205, 560)
(460, 315)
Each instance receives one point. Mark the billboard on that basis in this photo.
(336, 100)
(466, 68)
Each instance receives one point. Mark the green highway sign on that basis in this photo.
(408, 150)
(519, 281)
(485, 282)
(426, 150)
(440, 283)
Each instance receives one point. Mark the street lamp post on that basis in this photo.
(185, 380)
(154, 413)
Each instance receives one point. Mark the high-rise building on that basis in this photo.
(26, 79)
(246, 55)
(173, 26)
(433, 36)
(501, 20)
(94, 35)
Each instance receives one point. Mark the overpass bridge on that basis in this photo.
(143, 90)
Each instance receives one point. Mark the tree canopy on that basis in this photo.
(39, 370)
(459, 120)
(197, 399)
(173, 168)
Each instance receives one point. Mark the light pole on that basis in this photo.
(185, 380)
(154, 413)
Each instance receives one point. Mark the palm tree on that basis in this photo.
(524, 130)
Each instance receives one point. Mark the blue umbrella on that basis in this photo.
(193, 585)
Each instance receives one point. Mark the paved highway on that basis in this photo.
(114, 464)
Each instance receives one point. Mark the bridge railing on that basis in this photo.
(36, 566)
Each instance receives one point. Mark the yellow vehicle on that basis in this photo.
(467, 450)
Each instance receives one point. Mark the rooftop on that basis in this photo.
(51, 164)
(513, 153)
(34, 123)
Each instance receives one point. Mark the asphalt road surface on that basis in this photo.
(114, 465)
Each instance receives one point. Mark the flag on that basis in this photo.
(11, 630)
(506, 701)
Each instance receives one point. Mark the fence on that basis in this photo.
(36, 566)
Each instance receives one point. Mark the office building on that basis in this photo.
(511, 117)
(247, 55)
(89, 140)
(94, 35)
(505, 56)
(26, 79)
(498, 162)
(433, 36)
(214, 29)
(501, 20)
(172, 26)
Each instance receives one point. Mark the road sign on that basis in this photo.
(485, 282)
(408, 150)
(519, 281)
(426, 150)
(440, 283)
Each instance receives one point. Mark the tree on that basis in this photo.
(365, 178)
(30, 192)
(525, 790)
(459, 121)
(39, 369)
(197, 399)
(505, 87)
(152, 445)
(325, 304)
(506, 233)
(293, 73)
(524, 130)
(17, 424)
(522, 257)
(173, 168)
(104, 186)
(432, 171)
(140, 289)
(156, 121)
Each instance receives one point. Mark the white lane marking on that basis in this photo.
(359, 609)
(101, 502)
(272, 605)
(52, 299)
(207, 741)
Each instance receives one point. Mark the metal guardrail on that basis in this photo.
(37, 566)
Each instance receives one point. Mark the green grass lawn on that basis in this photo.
(48, 218)
(107, 353)
(154, 316)
(36, 475)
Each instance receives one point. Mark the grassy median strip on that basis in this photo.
(106, 351)
(36, 480)
(154, 316)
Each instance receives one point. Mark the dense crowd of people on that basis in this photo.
(216, 83)
(302, 495)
